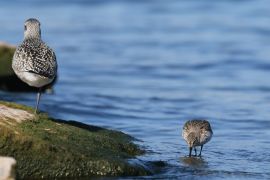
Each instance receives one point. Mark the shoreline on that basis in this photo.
(53, 148)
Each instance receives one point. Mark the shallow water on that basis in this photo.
(144, 67)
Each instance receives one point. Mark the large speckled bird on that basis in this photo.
(197, 133)
(34, 62)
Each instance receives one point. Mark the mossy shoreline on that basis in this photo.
(55, 149)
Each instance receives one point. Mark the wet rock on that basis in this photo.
(50, 148)
(7, 168)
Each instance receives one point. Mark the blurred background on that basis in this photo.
(146, 66)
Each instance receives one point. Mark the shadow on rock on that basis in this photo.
(80, 125)
(195, 162)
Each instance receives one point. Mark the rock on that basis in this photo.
(7, 113)
(50, 148)
(7, 168)
(8, 79)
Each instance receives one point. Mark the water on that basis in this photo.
(144, 67)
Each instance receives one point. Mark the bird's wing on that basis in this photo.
(36, 58)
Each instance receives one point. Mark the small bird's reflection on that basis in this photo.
(194, 161)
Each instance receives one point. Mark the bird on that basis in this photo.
(34, 62)
(197, 133)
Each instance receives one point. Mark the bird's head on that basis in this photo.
(32, 29)
(192, 140)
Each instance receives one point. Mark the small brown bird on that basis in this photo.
(197, 133)
(34, 62)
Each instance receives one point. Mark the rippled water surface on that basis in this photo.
(144, 67)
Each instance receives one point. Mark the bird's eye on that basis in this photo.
(25, 28)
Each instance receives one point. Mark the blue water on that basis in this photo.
(145, 67)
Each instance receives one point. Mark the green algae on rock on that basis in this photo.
(48, 148)
(8, 79)
(6, 54)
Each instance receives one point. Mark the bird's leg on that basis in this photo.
(201, 151)
(195, 151)
(38, 98)
(190, 150)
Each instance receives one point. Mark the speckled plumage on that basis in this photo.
(35, 56)
(197, 133)
(34, 62)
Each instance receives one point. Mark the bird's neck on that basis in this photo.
(32, 35)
